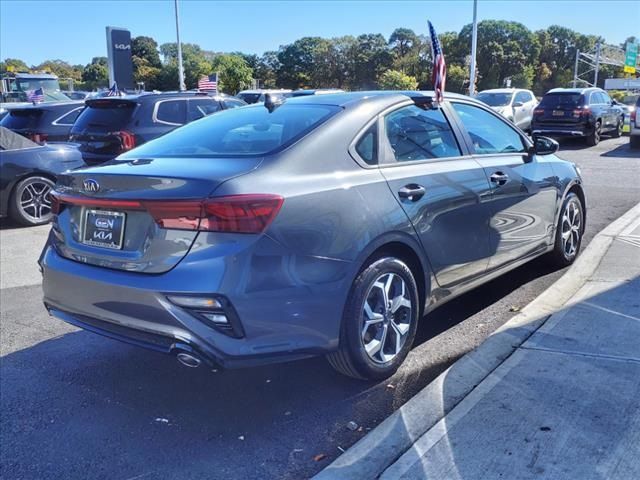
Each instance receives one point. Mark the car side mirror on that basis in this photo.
(544, 146)
(518, 104)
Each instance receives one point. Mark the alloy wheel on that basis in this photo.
(571, 228)
(386, 318)
(35, 200)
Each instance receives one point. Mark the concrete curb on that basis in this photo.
(381, 447)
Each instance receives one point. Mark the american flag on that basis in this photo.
(113, 91)
(439, 76)
(36, 95)
(208, 82)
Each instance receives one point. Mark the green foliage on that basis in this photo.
(234, 72)
(538, 60)
(395, 80)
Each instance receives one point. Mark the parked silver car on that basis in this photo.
(324, 224)
(515, 104)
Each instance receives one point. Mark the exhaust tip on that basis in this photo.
(188, 360)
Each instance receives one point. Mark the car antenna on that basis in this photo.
(271, 103)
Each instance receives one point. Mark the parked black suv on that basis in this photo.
(577, 112)
(43, 122)
(110, 126)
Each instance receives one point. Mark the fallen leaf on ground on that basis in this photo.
(319, 457)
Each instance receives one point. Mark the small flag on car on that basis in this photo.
(208, 83)
(439, 76)
(36, 95)
(113, 91)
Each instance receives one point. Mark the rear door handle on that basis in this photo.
(412, 192)
(499, 178)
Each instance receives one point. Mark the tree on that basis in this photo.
(395, 80)
(146, 48)
(525, 78)
(194, 62)
(298, 62)
(402, 41)
(13, 64)
(267, 69)
(234, 72)
(96, 73)
(371, 58)
(457, 78)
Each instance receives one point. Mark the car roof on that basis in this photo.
(347, 99)
(265, 90)
(49, 105)
(502, 90)
(574, 90)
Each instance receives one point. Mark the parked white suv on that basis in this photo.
(514, 104)
(634, 139)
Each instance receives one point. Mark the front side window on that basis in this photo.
(488, 133)
(495, 99)
(416, 134)
(522, 97)
(171, 111)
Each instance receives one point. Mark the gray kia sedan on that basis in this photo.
(320, 225)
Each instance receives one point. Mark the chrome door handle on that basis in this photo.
(499, 178)
(412, 192)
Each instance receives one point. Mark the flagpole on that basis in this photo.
(474, 48)
(180, 69)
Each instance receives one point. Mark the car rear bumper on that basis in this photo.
(560, 131)
(286, 323)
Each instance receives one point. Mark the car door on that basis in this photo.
(612, 112)
(598, 110)
(523, 188)
(440, 188)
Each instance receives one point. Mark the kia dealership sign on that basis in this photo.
(119, 57)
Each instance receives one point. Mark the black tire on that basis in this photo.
(351, 358)
(594, 138)
(561, 256)
(634, 142)
(617, 133)
(38, 188)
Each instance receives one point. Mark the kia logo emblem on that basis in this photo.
(122, 46)
(90, 185)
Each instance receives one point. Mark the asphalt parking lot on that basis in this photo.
(75, 405)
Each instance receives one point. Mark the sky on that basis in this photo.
(74, 31)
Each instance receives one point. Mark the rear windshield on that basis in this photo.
(249, 97)
(559, 100)
(495, 99)
(240, 132)
(22, 119)
(104, 116)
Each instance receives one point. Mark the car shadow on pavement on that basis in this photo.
(623, 151)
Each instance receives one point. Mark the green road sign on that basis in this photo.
(631, 57)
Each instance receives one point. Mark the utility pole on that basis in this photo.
(474, 48)
(595, 80)
(180, 69)
(575, 69)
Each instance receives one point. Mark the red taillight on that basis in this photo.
(235, 213)
(538, 111)
(581, 112)
(127, 140)
(633, 116)
(240, 213)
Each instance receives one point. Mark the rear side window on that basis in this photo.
(171, 112)
(22, 119)
(239, 132)
(104, 116)
(230, 103)
(367, 146)
(488, 133)
(69, 118)
(562, 100)
(416, 134)
(523, 97)
(250, 97)
(200, 107)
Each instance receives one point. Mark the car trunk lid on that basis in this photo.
(561, 108)
(137, 215)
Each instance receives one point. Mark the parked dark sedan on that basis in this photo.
(324, 224)
(110, 126)
(577, 112)
(44, 122)
(27, 174)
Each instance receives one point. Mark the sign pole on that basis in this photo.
(180, 69)
(474, 47)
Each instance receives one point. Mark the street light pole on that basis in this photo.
(575, 69)
(180, 69)
(474, 47)
(595, 80)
